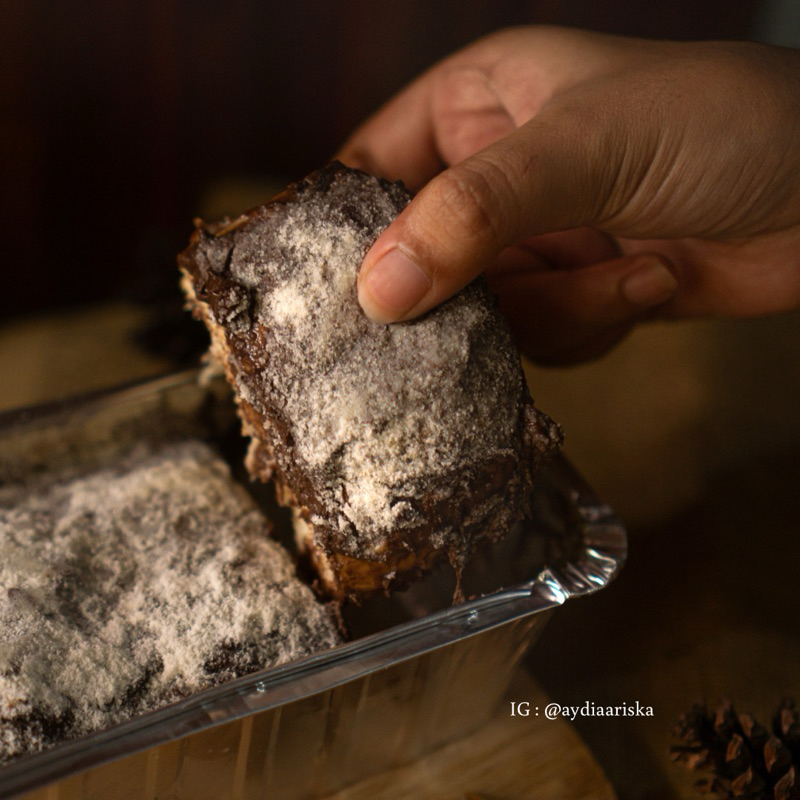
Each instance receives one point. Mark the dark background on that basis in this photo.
(117, 115)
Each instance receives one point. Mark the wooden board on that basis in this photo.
(510, 758)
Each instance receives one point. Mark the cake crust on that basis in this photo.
(398, 446)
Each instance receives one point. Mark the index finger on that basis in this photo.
(398, 141)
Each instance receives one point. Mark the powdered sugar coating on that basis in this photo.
(381, 432)
(134, 586)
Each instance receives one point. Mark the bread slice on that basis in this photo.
(398, 446)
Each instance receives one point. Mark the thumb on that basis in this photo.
(547, 175)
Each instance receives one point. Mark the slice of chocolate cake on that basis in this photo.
(133, 586)
(398, 446)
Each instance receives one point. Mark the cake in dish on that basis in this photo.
(397, 446)
(125, 588)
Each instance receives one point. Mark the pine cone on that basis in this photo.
(745, 759)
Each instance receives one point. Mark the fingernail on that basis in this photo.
(392, 287)
(649, 284)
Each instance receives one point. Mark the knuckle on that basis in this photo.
(469, 204)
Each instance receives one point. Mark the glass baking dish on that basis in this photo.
(417, 673)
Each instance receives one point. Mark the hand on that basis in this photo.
(599, 181)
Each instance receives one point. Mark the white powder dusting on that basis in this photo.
(384, 422)
(366, 402)
(132, 587)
